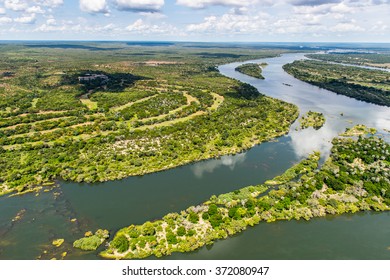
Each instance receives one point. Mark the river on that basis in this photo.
(134, 200)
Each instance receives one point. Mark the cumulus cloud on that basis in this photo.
(50, 3)
(200, 4)
(26, 19)
(144, 28)
(5, 20)
(31, 6)
(347, 27)
(313, 2)
(35, 10)
(2, 11)
(231, 23)
(94, 6)
(15, 5)
(51, 22)
(139, 5)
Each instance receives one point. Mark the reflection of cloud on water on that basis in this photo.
(383, 123)
(308, 140)
(208, 166)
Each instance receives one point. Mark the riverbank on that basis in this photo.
(362, 84)
(304, 192)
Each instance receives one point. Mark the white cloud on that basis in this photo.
(2, 11)
(231, 23)
(26, 19)
(94, 6)
(49, 3)
(153, 15)
(313, 2)
(200, 4)
(51, 22)
(347, 27)
(35, 10)
(143, 28)
(15, 5)
(139, 5)
(5, 20)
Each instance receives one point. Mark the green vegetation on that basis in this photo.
(294, 171)
(91, 241)
(381, 60)
(58, 242)
(251, 69)
(312, 119)
(92, 115)
(354, 178)
(357, 130)
(363, 84)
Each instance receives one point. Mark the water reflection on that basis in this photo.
(383, 122)
(308, 140)
(230, 161)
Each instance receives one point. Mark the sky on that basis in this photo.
(197, 20)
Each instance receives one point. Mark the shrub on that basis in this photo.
(121, 243)
(205, 216)
(171, 238)
(191, 232)
(193, 217)
(213, 209)
(181, 231)
(215, 220)
(148, 229)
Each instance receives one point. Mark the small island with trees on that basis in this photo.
(252, 69)
(312, 119)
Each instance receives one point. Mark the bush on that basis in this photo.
(181, 231)
(193, 217)
(205, 216)
(133, 233)
(121, 243)
(213, 209)
(191, 232)
(171, 238)
(148, 229)
(215, 220)
(88, 243)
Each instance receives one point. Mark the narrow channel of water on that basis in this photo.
(116, 204)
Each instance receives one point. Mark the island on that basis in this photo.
(252, 69)
(312, 119)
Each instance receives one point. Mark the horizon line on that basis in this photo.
(174, 41)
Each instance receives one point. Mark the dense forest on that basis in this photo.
(363, 84)
(354, 178)
(103, 114)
